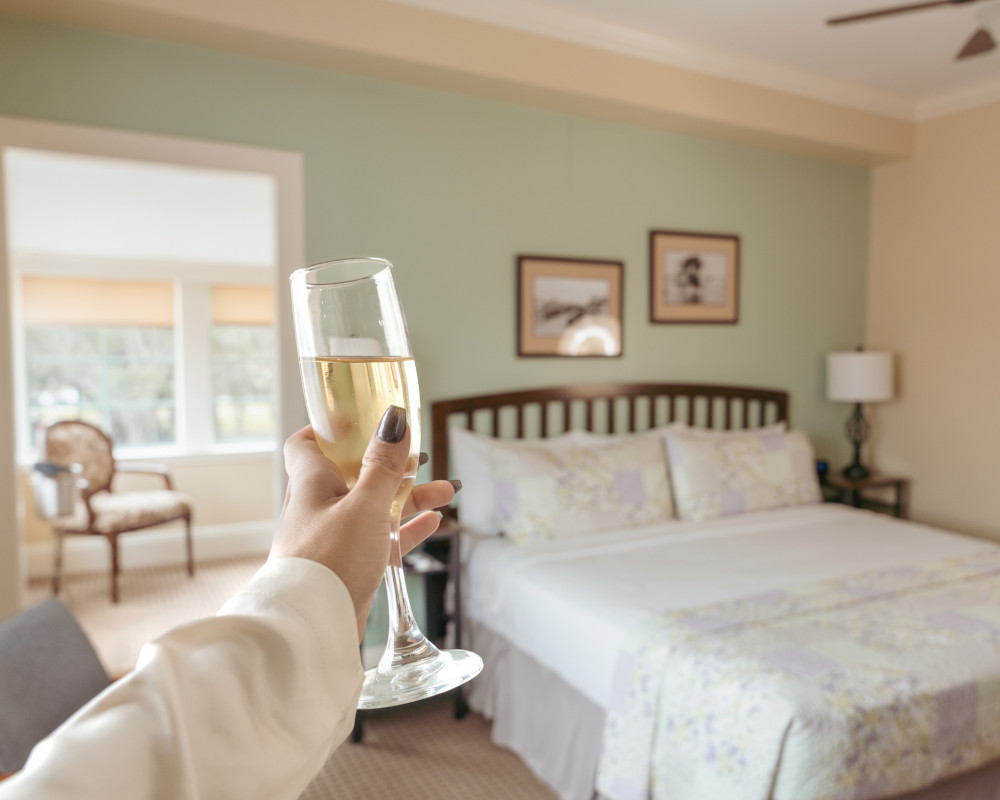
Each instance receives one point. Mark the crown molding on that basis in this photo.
(542, 20)
(982, 94)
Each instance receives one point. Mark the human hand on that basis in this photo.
(348, 531)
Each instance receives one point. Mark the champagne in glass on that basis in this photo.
(355, 361)
(347, 397)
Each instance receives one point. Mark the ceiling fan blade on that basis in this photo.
(885, 12)
(982, 41)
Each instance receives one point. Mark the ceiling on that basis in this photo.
(902, 66)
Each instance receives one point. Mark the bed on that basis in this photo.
(756, 644)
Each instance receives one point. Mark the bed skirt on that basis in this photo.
(557, 731)
(553, 728)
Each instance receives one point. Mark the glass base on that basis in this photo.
(437, 672)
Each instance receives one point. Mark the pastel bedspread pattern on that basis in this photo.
(846, 689)
(606, 484)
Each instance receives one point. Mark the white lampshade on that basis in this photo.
(859, 376)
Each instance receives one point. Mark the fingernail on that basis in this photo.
(393, 425)
(457, 485)
(424, 458)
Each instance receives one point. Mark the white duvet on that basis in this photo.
(569, 603)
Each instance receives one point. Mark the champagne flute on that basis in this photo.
(355, 361)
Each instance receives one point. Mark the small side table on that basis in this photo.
(438, 562)
(843, 490)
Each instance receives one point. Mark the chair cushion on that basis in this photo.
(118, 512)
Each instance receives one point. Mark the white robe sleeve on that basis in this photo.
(247, 704)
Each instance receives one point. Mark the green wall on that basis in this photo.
(452, 188)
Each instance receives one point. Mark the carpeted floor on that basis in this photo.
(416, 752)
(153, 600)
(422, 752)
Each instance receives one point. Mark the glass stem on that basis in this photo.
(405, 637)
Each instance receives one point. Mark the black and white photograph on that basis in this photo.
(562, 301)
(569, 307)
(693, 277)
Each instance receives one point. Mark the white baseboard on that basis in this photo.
(153, 548)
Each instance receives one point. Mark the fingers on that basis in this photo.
(426, 496)
(384, 462)
(305, 461)
(417, 529)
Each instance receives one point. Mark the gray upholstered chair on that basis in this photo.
(101, 511)
(48, 669)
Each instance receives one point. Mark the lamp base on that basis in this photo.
(856, 472)
(857, 429)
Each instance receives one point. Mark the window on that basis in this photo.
(143, 301)
(107, 352)
(101, 351)
(243, 353)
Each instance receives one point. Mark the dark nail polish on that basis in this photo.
(457, 485)
(424, 458)
(393, 425)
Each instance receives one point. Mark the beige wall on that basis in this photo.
(934, 286)
(223, 491)
(11, 572)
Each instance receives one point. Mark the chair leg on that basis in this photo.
(113, 541)
(57, 561)
(190, 546)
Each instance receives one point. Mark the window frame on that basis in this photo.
(193, 390)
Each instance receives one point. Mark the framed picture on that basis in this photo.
(569, 307)
(693, 277)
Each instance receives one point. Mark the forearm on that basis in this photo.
(247, 704)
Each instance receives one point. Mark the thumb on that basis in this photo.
(385, 460)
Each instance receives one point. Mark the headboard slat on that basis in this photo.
(443, 412)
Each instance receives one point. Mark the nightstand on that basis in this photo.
(838, 489)
(438, 562)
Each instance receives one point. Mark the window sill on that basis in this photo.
(176, 456)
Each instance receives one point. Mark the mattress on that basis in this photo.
(574, 606)
(570, 603)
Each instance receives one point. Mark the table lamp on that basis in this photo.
(858, 377)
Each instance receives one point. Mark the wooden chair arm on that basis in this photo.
(142, 468)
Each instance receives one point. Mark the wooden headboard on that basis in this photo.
(602, 408)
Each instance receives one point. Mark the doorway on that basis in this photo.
(153, 226)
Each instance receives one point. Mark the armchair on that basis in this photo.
(48, 669)
(101, 511)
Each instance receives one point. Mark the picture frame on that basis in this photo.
(693, 277)
(569, 307)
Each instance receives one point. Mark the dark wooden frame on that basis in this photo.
(717, 406)
(660, 312)
(534, 347)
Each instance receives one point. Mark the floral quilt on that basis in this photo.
(842, 690)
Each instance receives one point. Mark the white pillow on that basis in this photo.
(602, 483)
(719, 473)
(471, 459)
